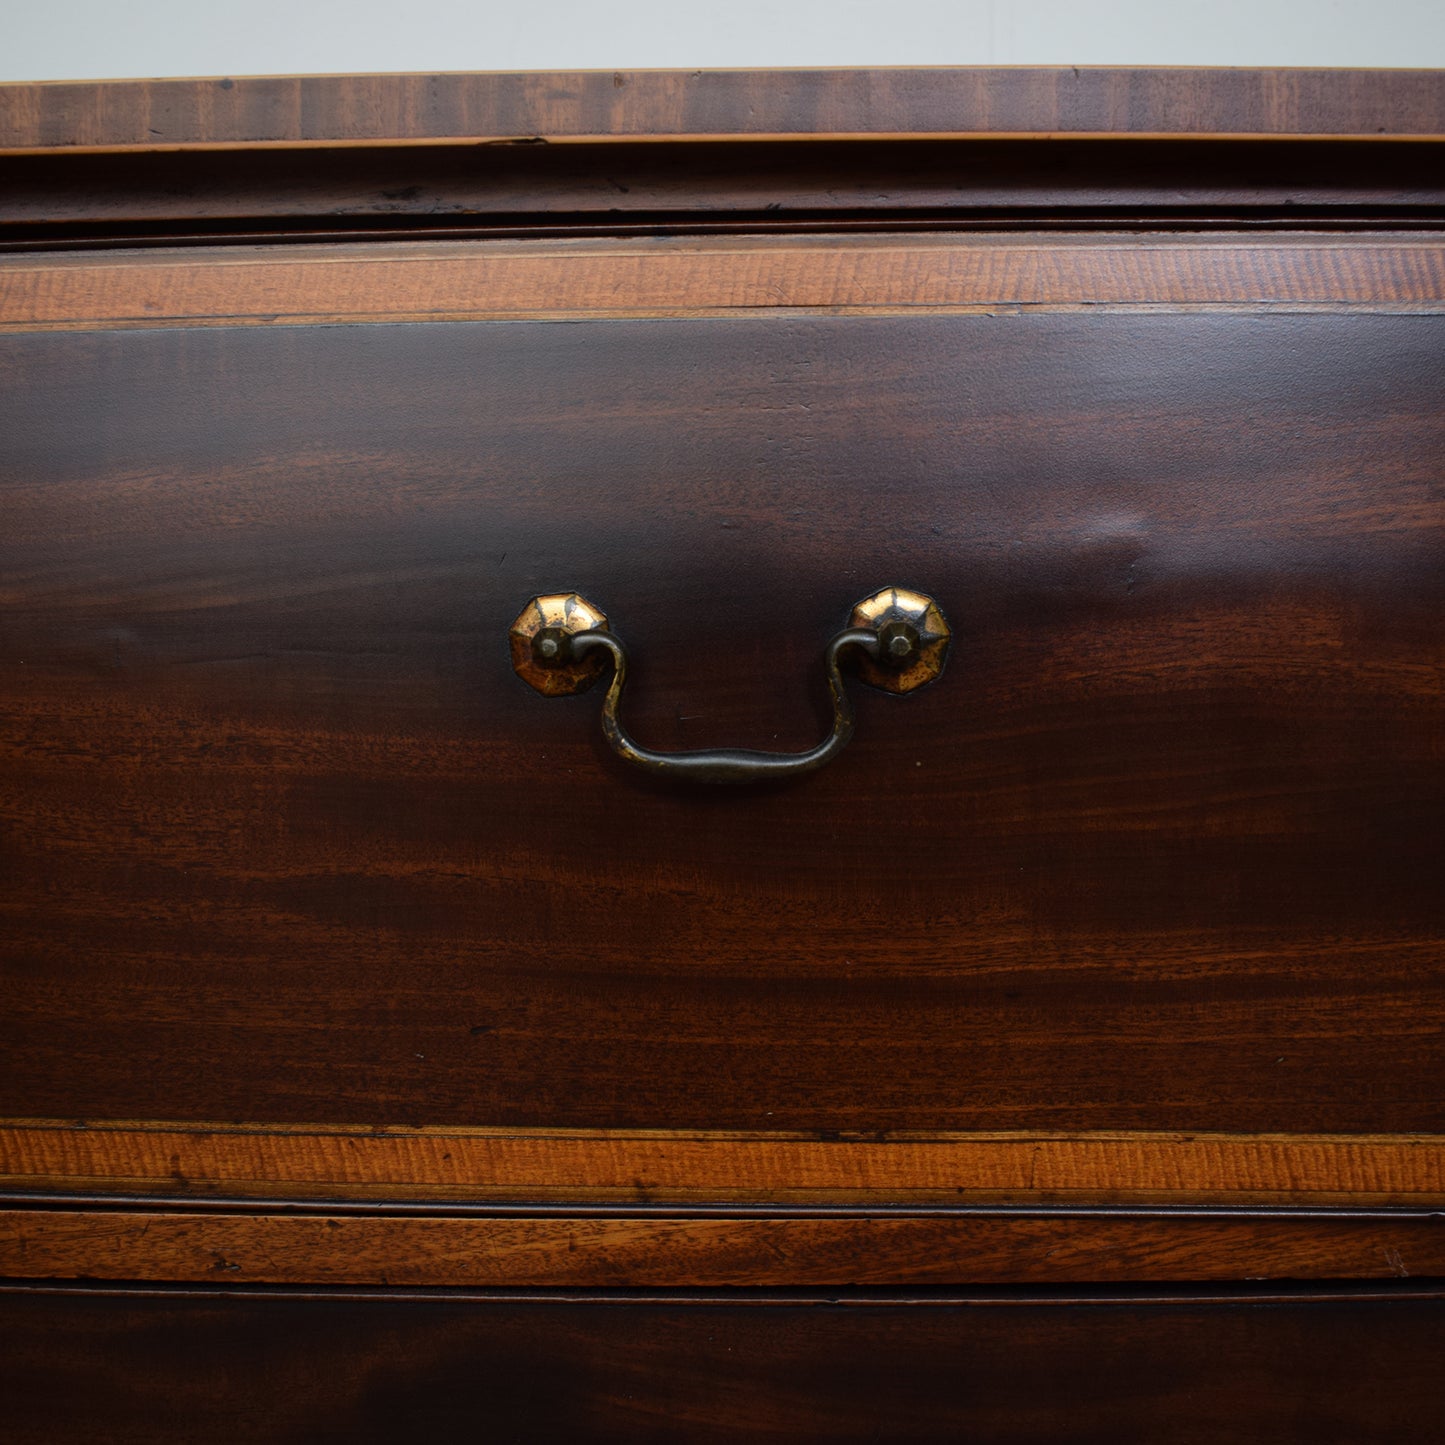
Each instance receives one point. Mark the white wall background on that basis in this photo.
(96, 39)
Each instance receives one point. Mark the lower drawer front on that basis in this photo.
(87, 1366)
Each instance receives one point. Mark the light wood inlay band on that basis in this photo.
(482, 1165)
(450, 281)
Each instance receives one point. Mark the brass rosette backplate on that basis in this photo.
(541, 638)
(899, 613)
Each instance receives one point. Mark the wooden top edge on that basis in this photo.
(466, 142)
(943, 102)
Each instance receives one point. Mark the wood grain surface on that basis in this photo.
(287, 841)
(588, 1107)
(156, 114)
(572, 279)
(81, 1366)
(839, 1250)
(477, 1165)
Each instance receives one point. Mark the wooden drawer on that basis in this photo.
(1158, 852)
(160, 1368)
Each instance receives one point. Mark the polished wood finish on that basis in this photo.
(1328, 1369)
(570, 279)
(661, 1251)
(292, 844)
(616, 1166)
(1026, 101)
(584, 1106)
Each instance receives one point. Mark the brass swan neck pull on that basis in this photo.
(727, 765)
(562, 644)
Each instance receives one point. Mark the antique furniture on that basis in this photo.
(386, 1057)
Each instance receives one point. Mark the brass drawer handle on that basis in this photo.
(561, 644)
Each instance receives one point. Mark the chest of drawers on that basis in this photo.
(1059, 1059)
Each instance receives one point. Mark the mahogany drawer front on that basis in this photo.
(1160, 851)
(130, 1366)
